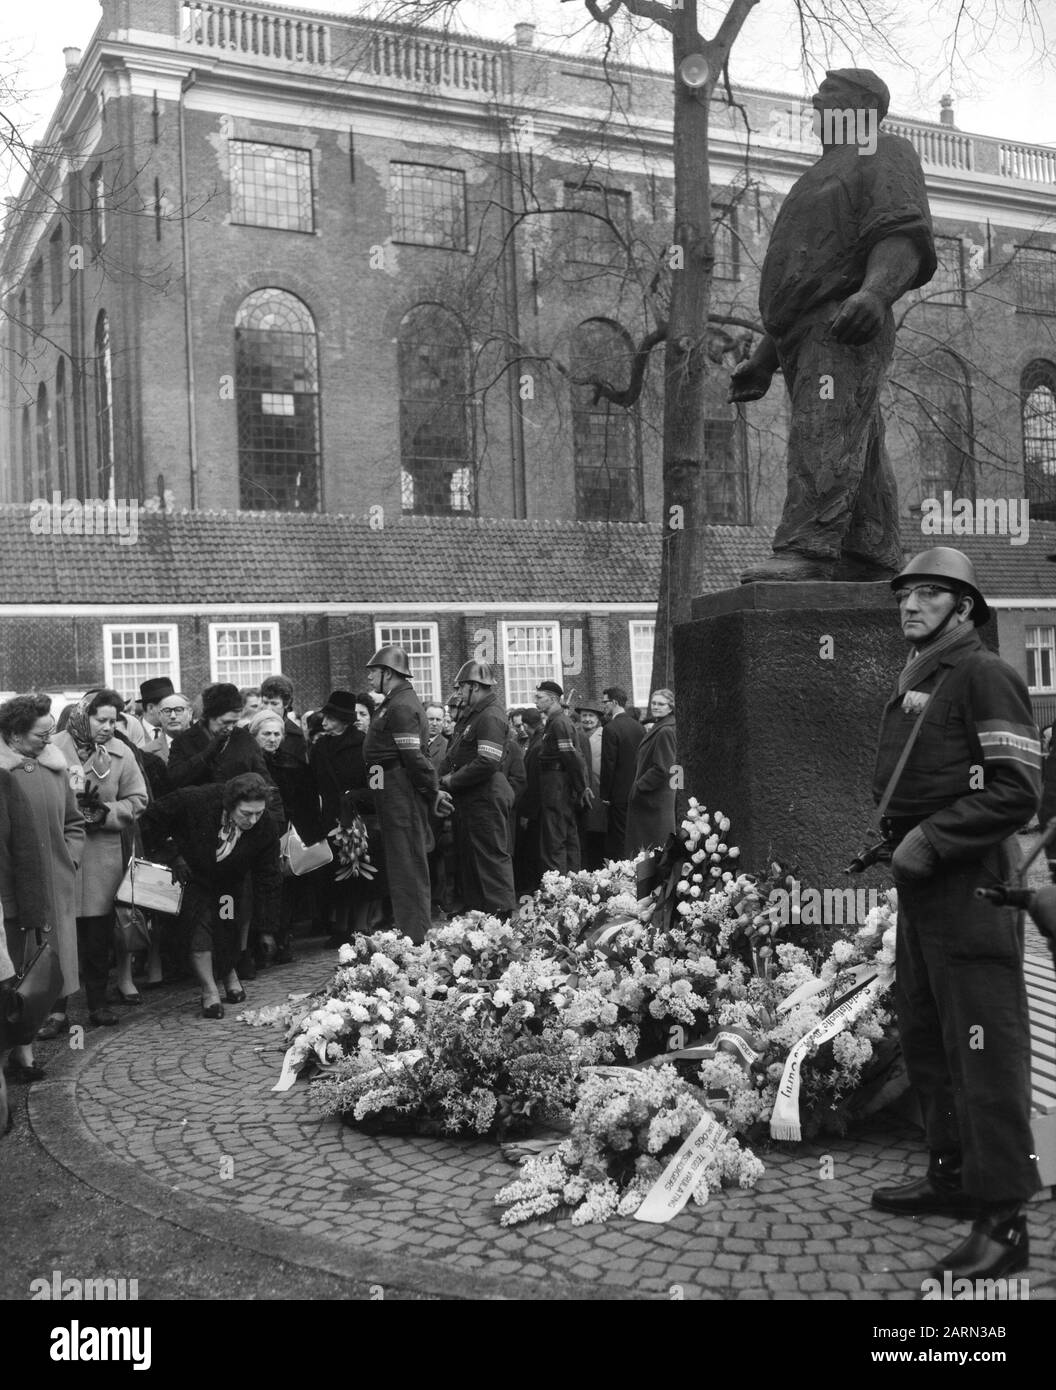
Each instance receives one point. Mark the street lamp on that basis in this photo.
(694, 70)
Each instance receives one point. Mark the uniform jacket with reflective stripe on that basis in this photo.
(975, 769)
(475, 752)
(559, 741)
(399, 729)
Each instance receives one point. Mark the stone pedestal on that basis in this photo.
(779, 691)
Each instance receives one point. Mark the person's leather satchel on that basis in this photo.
(25, 1004)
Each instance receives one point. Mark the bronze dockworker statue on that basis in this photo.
(852, 236)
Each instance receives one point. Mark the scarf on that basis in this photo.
(228, 837)
(93, 755)
(923, 660)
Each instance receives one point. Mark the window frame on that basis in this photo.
(725, 214)
(398, 220)
(109, 629)
(555, 674)
(1050, 647)
(574, 238)
(237, 182)
(97, 208)
(436, 695)
(1037, 255)
(275, 659)
(640, 697)
(943, 297)
(56, 267)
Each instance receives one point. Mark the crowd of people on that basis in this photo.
(415, 813)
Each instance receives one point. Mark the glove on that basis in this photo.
(92, 807)
(914, 858)
(181, 870)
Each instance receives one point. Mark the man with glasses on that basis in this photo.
(972, 779)
(156, 735)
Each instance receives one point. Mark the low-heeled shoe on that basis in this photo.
(212, 1011)
(104, 1018)
(235, 996)
(53, 1027)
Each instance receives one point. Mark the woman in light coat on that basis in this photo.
(109, 787)
(651, 805)
(26, 727)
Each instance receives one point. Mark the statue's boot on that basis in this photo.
(788, 566)
(855, 569)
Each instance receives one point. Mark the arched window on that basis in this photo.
(1038, 396)
(277, 389)
(436, 425)
(43, 478)
(605, 441)
(104, 406)
(28, 472)
(62, 462)
(945, 427)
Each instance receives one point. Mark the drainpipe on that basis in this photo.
(511, 313)
(185, 238)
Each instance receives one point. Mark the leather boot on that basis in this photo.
(938, 1193)
(998, 1245)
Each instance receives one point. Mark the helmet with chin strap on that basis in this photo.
(479, 672)
(391, 659)
(945, 564)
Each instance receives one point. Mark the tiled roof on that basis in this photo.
(260, 557)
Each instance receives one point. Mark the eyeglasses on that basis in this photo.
(928, 592)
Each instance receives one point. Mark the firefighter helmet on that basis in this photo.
(393, 658)
(943, 562)
(480, 672)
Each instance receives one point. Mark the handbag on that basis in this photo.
(132, 927)
(302, 858)
(25, 1005)
(150, 886)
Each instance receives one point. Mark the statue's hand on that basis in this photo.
(860, 318)
(748, 381)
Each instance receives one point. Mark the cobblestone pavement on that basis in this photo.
(175, 1115)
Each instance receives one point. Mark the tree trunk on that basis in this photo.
(685, 360)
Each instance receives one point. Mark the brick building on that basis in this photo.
(334, 279)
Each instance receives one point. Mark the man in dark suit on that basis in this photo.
(619, 749)
(436, 752)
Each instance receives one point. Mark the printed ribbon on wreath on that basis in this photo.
(784, 1121)
(675, 1185)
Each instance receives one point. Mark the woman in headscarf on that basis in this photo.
(26, 727)
(112, 793)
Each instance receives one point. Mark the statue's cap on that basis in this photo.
(866, 81)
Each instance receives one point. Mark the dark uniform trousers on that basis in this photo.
(558, 830)
(404, 819)
(482, 834)
(483, 798)
(961, 1006)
